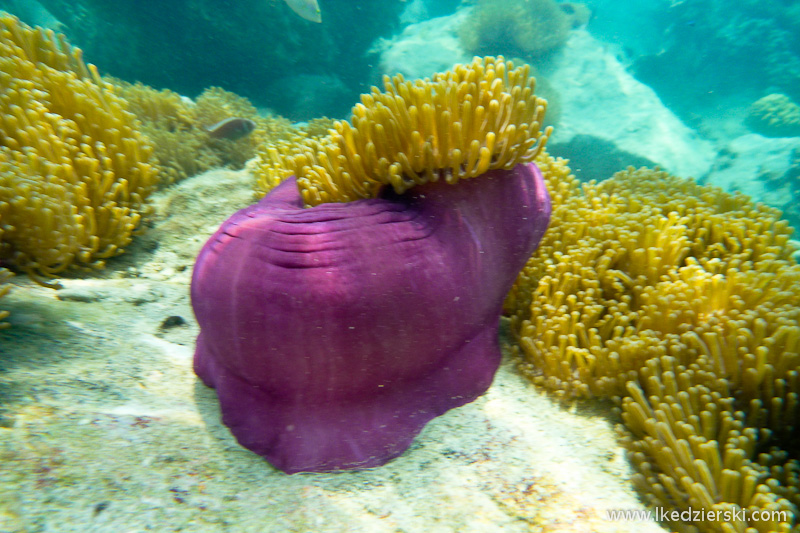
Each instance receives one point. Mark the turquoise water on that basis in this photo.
(706, 61)
(103, 424)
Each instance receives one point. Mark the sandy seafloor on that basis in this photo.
(104, 426)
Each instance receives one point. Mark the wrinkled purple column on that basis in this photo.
(333, 334)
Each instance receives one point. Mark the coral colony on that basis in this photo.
(334, 333)
(360, 298)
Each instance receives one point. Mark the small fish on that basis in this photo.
(231, 129)
(308, 9)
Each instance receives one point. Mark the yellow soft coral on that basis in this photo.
(529, 28)
(170, 123)
(74, 171)
(694, 451)
(607, 247)
(682, 303)
(177, 128)
(774, 115)
(458, 125)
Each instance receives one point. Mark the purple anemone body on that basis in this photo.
(333, 334)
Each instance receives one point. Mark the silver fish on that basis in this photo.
(231, 129)
(308, 9)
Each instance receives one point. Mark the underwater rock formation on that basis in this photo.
(706, 48)
(334, 334)
(593, 158)
(32, 13)
(631, 116)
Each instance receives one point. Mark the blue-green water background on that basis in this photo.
(707, 60)
(694, 53)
